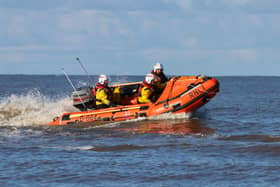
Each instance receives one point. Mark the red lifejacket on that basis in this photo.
(160, 76)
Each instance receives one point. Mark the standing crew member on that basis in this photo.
(160, 78)
(146, 91)
(103, 93)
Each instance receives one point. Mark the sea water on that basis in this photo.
(234, 140)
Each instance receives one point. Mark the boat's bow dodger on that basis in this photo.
(181, 94)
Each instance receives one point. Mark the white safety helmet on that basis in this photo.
(102, 79)
(158, 66)
(149, 78)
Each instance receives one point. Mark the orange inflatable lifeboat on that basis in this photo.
(181, 94)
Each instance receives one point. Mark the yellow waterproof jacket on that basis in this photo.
(102, 97)
(145, 95)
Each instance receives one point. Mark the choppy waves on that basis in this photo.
(31, 109)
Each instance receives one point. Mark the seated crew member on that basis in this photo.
(160, 78)
(103, 93)
(116, 98)
(146, 90)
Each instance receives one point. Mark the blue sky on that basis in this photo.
(126, 37)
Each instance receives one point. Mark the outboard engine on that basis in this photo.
(83, 98)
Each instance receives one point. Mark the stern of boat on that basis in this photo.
(56, 121)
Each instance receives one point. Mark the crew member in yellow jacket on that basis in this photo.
(146, 91)
(103, 93)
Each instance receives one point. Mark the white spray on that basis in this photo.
(31, 109)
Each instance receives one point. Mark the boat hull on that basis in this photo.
(181, 95)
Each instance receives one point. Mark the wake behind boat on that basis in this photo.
(182, 94)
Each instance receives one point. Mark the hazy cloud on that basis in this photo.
(115, 32)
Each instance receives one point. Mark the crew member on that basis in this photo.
(160, 78)
(103, 93)
(146, 90)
